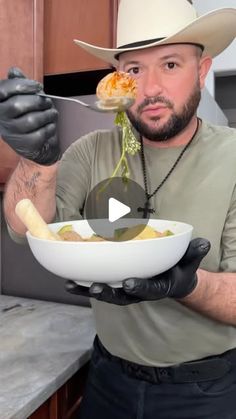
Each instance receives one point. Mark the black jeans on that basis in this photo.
(112, 394)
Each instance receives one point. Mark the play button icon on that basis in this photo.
(114, 204)
(117, 210)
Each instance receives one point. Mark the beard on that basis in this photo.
(176, 122)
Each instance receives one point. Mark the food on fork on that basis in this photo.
(119, 90)
(116, 85)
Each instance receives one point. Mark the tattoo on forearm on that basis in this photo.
(30, 184)
(25, 184)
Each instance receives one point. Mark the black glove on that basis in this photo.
(177, 282)
(28, 121)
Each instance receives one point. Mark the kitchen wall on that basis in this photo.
(224, 63)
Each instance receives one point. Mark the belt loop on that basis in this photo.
(165, 375)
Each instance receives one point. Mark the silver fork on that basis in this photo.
(116, 104)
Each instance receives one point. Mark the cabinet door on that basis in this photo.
(92, 21)
(64, 403)
(21, 34)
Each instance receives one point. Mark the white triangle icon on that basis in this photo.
(117, 210)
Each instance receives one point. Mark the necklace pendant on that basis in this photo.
(146, 210)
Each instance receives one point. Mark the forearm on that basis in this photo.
(214, 296)
(33, 181)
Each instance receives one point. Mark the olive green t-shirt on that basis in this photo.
(200, 191)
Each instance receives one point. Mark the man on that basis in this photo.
(166, 345)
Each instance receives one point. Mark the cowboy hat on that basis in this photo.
(148, 23)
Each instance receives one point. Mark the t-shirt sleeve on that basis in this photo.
(228, 245)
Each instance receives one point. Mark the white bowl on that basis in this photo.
(111, 262)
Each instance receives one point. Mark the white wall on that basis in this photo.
(210, 111)
(226, 61)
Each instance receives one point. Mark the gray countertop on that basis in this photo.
(42, 344)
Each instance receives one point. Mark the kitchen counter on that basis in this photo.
(42, 344)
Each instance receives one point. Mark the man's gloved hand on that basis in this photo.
(177, 282)
(28, 121)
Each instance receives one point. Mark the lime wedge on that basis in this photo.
(67, 227)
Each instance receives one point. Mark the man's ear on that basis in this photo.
(204, 67)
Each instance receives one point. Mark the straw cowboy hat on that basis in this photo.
(148, 23)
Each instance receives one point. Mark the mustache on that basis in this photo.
(153, 101)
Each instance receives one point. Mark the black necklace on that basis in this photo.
(147, 210)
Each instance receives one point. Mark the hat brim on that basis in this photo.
(214, 31)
